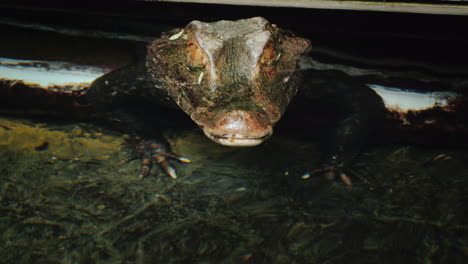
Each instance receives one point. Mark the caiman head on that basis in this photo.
(234, 78)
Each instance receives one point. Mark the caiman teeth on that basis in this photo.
(236, 140)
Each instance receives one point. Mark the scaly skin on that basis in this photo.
(235, 79)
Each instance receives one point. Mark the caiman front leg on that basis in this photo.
(359, 109)
(127, 100)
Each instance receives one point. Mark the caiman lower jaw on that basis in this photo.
(237, 141)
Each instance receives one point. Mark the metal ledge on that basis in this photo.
(449, 7)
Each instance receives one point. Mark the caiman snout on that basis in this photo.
(239, 128)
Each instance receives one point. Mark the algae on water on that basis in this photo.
(230, 205)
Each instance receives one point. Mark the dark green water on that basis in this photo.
(232, 206)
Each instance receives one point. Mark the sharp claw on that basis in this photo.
(345, 179)
(184, 159)
(166, 166)
(171, 171)
(145, 168)
(177, 157)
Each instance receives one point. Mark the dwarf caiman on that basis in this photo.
(235, 79)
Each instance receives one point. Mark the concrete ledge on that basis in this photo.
(454, 8)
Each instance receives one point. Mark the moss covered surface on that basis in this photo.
(68, 202)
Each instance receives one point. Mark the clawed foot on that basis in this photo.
(330, 170)
(154, 152)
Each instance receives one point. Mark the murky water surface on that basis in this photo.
(65, 199)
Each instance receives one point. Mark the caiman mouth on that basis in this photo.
(237, 140)
(237, 128)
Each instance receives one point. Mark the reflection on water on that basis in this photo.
(64, 199)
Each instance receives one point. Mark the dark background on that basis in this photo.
(431, 39)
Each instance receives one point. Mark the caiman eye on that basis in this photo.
(269, 56)
(196, 57)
